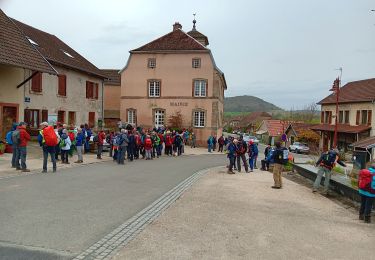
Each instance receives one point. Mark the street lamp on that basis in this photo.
(336, 90)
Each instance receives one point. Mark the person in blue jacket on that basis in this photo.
(9, 140)
(232, 149)
(80, 141)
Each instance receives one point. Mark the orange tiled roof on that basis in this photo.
(341, 128)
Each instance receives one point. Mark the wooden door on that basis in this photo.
(9, 116)
(91, 119)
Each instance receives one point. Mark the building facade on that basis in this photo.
(112, 95)
(355, 115)
(174, 75)
(74, 96)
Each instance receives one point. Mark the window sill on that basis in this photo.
(153, 97)
(92, 99)
(200, 96)
(61, 96)
(36, 93)
(199, 126)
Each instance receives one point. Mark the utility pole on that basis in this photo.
(336, 90)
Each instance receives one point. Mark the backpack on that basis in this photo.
(282, 155)
(328, 159)
(138, 140)
(242, 147)
(168, 140)
(62, 143)
(96, 138)
(148, 142)
(16, 138)
(366, 181)
(8, 137)
(50, 137)
(270, 155)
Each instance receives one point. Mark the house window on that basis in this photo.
(44, 115)
(200, 88)
(36, 83)
(72, 118)
(131, 116)
(154, 88)
(151, 63)
(341, 117)
(196, 63)
(159, 118)
(347, 117)
(328, 117)
(199, 118)
(62, 85)
(61, 116)
(92, 90)
(31, 117)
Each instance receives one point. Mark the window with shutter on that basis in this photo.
(91, 119)
(357, 117)
(322, 117)
(61, 116)
(62, 85)
(96, 91)
(72, 118)
(369, 119)
(36, 82)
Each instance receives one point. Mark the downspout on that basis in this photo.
(102, 103)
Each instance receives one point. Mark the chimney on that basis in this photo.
(177, 26)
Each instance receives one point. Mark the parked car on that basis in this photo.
(298, 147)
(106, 146)
(247, 138)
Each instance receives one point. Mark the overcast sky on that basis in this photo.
(284, 52)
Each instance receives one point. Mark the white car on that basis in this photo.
(298, 147)
(247, 138)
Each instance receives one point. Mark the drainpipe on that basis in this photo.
(102, 103)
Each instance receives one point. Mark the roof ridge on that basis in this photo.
(30, 26)
(153, 41)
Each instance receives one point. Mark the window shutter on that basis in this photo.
(369, 117)
(36, 82)
(87, 89)
(330, 117)
(322, 117)
(62, 85)
(27, 116)
(357, 117)
(97, 90)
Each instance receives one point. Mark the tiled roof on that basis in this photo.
(356, 91)
(57, 52)
(16, 50)
(113, 77)
(365, 143)
(341, 128)
(297, 126)
(198, 35)
(176, 40)
(275, 127)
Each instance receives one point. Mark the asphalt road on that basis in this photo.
(57, 216)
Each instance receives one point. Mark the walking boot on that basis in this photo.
(367, 219)
(361, 217)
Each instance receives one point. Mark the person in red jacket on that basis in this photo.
(22, 147)
(101, 138)
(148, 147)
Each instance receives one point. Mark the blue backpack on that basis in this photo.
(329, 158)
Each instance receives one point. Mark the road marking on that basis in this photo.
(109, 245)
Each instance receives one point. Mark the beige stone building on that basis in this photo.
(112, 95)
(355, 115)
(175, 73)
(74, 96)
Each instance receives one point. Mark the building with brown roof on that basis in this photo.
(173, 74)
(30, 60)
(355, 116)
(112, 94)
(248, 123)
(271, 130)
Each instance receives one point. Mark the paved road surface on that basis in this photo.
(56, 216)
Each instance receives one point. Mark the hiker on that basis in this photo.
(178, 143)
(122, 141)
(210, 143)
(221, 143)
(100, 141)
(253, 154)
(148, 147)
(168, 144)
(366, 189)
(131, 146)
(138, 144)
(264, 162)
(80, 140)
(48, 139)
(193, 139)
(326, 163)
(14, 143)
(160, 147)
(88, 134)
(65, 144)
(214, 142)
(280, 157)
(24, 138)
(241, 149)
(232, 148)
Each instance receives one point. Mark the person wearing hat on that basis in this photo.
(47, 148)
(22, 146)
(325, 164)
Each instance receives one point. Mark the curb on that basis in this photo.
(108, 246)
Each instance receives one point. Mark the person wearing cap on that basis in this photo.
(22, 146)
(46, 148)
(325, 164)
(253, 154)
(232, 149)
(241, 148)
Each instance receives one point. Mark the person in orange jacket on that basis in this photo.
(22, 146)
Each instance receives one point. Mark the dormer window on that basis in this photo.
(151, 63)
(67, 54)
(31, 41)
(196, 63)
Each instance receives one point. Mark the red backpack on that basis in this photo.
(50, 137)
(366, 181)
(168, 140)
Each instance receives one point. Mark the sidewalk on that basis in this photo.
(240, 217)
(34, 162)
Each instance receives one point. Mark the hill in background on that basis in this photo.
(247, 104)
